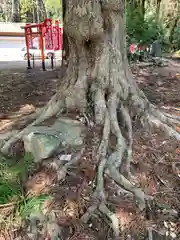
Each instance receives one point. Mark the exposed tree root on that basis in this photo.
(165, 118)
(98, 68)
(53, 107)
(62, 170)
(163, 122)
(109, 161)
(129, 136)
(173, 116)
(112, 217)
(111, 165)
(170, 131)
(99, 192)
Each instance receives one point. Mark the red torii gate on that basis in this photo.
(49, 35)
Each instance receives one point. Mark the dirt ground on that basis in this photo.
(22, 92)
(156, 160)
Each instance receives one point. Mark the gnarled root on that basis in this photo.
(163, 121)
(53, 107)
(110, 163)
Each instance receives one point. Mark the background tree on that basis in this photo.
(41, 10)
(15, 11)
(33, 11)
(98, 81)
(54, 9)
(4, 10)
(146, 20)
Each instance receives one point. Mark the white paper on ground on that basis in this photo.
(65, 157)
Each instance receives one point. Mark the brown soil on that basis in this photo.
(156, 161)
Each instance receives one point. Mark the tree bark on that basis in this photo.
(98, 79)
(158, 5)
(41, 11)
(15, 11)
(172, 29)
(38, 11)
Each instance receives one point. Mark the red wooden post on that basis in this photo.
(51, 34)
(48, 34)
(42, 47)
(27, 48)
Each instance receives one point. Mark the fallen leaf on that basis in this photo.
(178, 129)
(178, 151)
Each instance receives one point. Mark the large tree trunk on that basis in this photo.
(98, 79)
(97, 57)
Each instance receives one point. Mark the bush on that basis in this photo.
(140, 28)
(176, 40)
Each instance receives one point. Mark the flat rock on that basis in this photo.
(44, 141)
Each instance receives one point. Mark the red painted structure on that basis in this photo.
(50, 38)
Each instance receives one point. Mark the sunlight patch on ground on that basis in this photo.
(8, 121)
(5, 124)
(26, 109)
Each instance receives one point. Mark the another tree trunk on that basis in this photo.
(38, 11)
(172, 29)
(98, 79)
(143, 7)
(158, 5)
(15, 11)
(41, 11)
(34, 16)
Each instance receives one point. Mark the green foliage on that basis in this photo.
(54, 9)
(2, 17)
(31, 205)
(11, 191)
(11, 174)
(142, 28)
(25, 7)
(134, 25)
(22, 211)
(176, 39)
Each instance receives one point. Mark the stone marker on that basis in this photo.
(156, 49)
